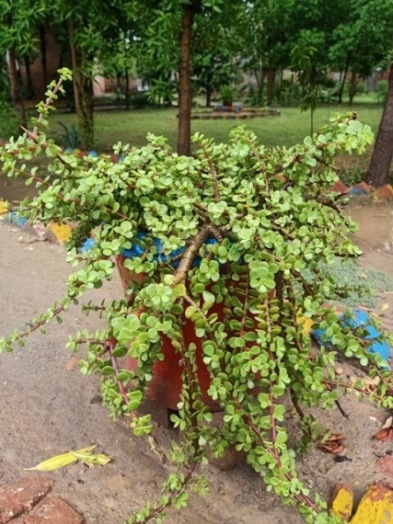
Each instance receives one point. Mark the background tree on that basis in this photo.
(378, 171)
(265, 30)
(118, 61)
(19, 22)
(310, 68)
(215, 53)
(168, 32)
(85, 27)
(361, 41)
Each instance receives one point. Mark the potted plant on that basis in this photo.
(227, 95)
(230, 241)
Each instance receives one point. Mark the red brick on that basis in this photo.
(384, 192)
(17, 497)
(385, 464)
(53, 510)
(339, 187)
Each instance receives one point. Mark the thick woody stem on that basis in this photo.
(192, 249)
(213, 173)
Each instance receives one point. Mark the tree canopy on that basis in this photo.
(182, 47)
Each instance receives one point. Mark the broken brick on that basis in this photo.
(21, 496)
(384, 192)
(385, 464)
(339, 187)
(53, 510)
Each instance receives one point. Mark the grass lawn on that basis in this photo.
(287, 129)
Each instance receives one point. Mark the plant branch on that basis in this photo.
(36, 325)
(191, 252)
(213, 174)
(48, 102)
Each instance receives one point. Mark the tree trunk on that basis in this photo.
(29, 79)
(15, 87)
(44, 61)
(86, 114)
(14, 78)
(270, 83)
(83, 94)
(343, 80)
(74, 64)
(352, 87)
(208, 89)
(260, 80)
(127, 89)
(185, 89)
(208, 95)
(378, 171)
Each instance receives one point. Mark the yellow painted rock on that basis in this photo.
(305, 322)
(376, 506)
(342, 505)
(62, 232)
(3, 209)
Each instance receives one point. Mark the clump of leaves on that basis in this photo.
(69, 137)
(355, 285)
(352, 175)
(9, 122)
(233, 227)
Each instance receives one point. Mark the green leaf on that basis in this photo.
(99, 459)
(60, 461)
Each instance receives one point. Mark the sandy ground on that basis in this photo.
(46, 408)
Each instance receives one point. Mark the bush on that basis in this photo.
(70, 137)
(9, 122)
(223, 239)
(140, 100)
(382, 91)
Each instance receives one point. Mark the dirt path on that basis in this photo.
(46, 409)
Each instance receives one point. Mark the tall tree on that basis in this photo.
(188, 12)
(381, 160)
(85, 26)
(117, 61)
(167, 37)
(216, 52)
(265, 30)
(310, 68)
(361, 41)
(19, 22)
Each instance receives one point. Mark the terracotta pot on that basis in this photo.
(166, 384)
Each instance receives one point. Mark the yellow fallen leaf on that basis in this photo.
(60, 461)
(90, 459)
(384, 306)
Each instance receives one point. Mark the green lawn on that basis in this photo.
(287, 129)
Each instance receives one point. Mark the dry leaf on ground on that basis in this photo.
(334, 444)
(386, 431)
(72, 363)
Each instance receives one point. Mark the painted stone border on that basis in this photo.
(60, 233)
